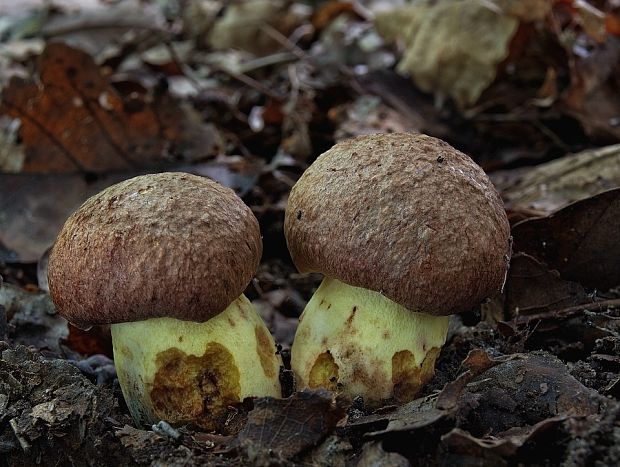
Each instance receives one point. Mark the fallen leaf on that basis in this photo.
(51, 411)
(454, 48)
(580, 240)
(532, 288)
(366, 115)
(461, 442)
(247, 26)
(75, 121)
(413, 421)
(476, 362)
(413, 107)
(491, 410)
(289, 426)
(333, 452)
(552, 185)
(373, 455)
(523, 390)
(135, 439)
(239, 173)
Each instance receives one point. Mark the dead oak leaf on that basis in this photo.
(73, 120)
(532, 288)
(454, 48)
(580, 240)
(461, 442)
(289, 426)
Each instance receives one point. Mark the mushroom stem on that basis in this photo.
(357, 341)
(183, 371)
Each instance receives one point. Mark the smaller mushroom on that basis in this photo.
(165, 258)
(406, 230)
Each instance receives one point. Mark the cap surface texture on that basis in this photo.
(169, 244)
(405, 215)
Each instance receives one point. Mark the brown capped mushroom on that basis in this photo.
(406, 230)
(165, 258)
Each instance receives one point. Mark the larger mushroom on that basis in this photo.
(406, 230)
(166, 258)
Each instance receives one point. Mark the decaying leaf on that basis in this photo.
(367, 115)
(333, 452)
(75, 121)
(289, 426)
(143, 446)
(491, 411)
(496, 447)
(580, 240)
(532, 288)
(373, 455)
(552, 185)
(454, 48)
(524, 390)
(247, 26)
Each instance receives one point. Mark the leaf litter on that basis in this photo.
(529, 90)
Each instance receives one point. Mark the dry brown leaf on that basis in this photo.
(454, 48)
(75, 121)
(373, 455)
(462, 442)
(289, 426)
(532, 288)
(367, 115)
(250, 26)
(552, 185)
(580, 240)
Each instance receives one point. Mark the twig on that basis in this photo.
(23, 442)
(267, 60)
(544, 129)
(251, 82)
(284, 41)
(566, 312)
(50, 32)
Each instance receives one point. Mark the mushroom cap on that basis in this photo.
(168, 244)
(405, 215)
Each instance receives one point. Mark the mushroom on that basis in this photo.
(406, 231)
(165, 258)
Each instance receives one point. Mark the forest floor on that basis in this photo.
(249, 94)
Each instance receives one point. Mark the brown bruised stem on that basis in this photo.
(187, 372)
(357, 341)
